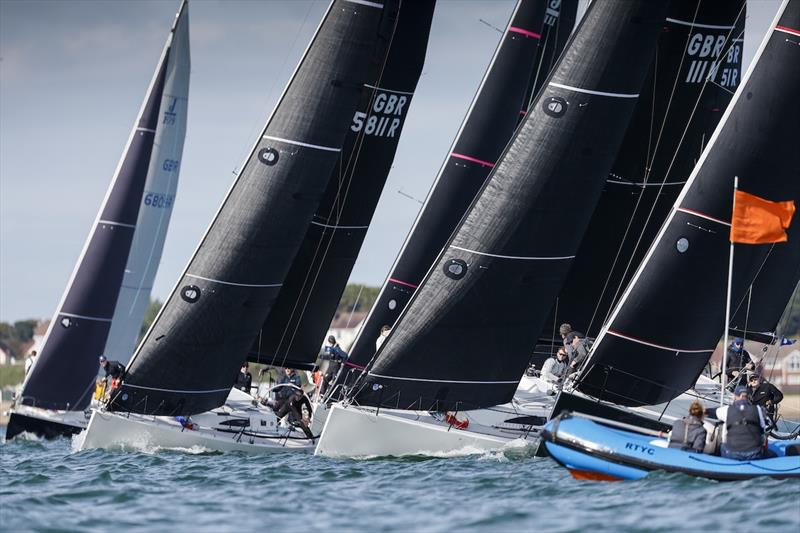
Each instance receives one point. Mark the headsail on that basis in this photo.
(671, 315)
(189, 358)
(63, 376)
(464, 339)
(158, 198)
(513, 76)
(691, 81)
(294, 330)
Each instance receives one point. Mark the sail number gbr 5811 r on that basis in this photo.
(385, 117)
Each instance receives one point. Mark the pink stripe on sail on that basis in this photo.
(524, 32)
(473, 159)
(348, 363)
(403, 283)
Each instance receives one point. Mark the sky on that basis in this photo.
(73, 74)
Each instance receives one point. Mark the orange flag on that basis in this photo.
(759, 221)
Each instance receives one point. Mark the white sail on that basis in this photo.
(158, 199)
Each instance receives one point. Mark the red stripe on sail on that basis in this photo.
(403, 283)
(788, 30)
(527, 33)
(473, 159)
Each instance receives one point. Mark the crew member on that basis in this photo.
(335, 356)
(290, 399)
(745, 427)
(688, 433)
(555, 368)
(764, 394)
(114, 370)
(580, 349)
(737, 359)
(244, 380)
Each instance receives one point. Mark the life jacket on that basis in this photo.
(684, 431)
(743, 427)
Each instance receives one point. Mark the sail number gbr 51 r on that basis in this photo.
(385, 117)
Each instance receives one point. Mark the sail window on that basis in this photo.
(66, 322)
(268, 156)
(682, 245)
(555, 106)
(455, 269)
(190, 293)
(393, 304)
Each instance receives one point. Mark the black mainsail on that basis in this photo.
(63, 377)
(668, 321)
(189, 358)
(294, 330)
(692, 79)
(464, 339)
(536, 32)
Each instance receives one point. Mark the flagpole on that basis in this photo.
(728, 307)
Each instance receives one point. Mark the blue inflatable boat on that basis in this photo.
(592, 448)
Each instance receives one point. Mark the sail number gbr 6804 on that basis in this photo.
(385, 117)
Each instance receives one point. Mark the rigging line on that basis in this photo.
(750, 287)
(347, 177)
(790, 310)
(669, 168)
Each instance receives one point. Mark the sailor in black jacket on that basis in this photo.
(745, 428)
(764, 393)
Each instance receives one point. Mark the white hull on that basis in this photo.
(363, 432)
(238, 426)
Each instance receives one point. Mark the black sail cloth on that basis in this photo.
(674, 119)
(668, 322)
(499, 105)
(189, 359)
(64, 375)
(294, 330)
(463, 341)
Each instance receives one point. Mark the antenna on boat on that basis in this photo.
(723, 375)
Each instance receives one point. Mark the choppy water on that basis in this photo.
(46, 486)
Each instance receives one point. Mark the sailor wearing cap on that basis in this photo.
(763, 393)
(745, 427)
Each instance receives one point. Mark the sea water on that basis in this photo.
(48, 486)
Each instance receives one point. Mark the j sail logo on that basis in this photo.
(710, 59)
(385, 117)
(170, 114)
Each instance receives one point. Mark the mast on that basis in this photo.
(661, 333)
(724, 375)
(189, 358)
(63, 376)
(499, 104)
(158, 199)
(293, 332)
(463, 340)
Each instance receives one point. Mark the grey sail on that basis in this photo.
(64, 373)
(464, 339)
(672, 314)
(158, 198)
(189, 358)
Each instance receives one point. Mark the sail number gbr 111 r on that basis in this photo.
(385, 117)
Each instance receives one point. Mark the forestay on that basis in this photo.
(189, 358)
(535, 34)
(691, 81)
(464, 339)
(64, 374)
(157, 201)
(294, 330)
(668, 322)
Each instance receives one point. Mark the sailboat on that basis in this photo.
(668, 321)
(177, 388)
(119, 259)
(463, 340)
(533, 39)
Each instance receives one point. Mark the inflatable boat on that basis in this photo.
(597, 449)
